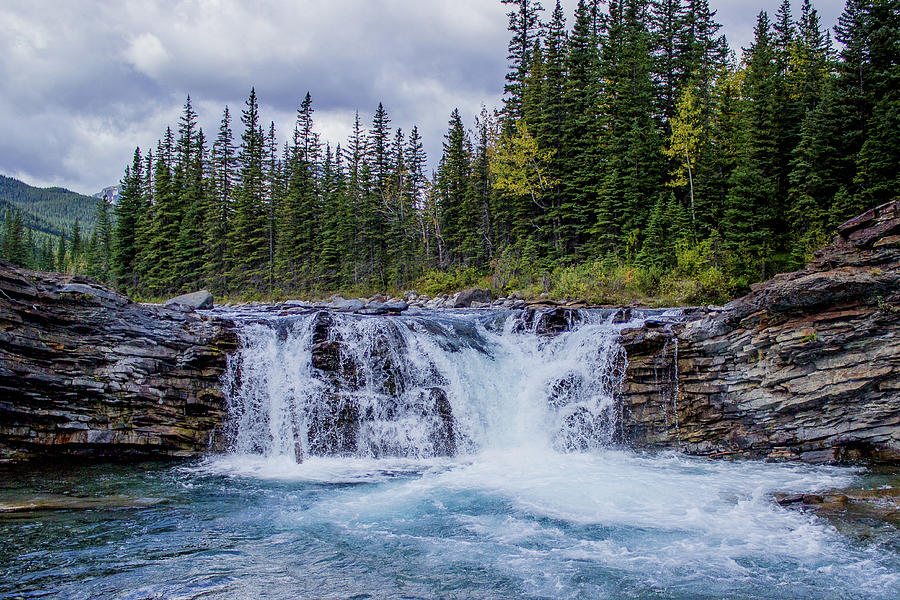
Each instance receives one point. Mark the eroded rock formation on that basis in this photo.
(84, 371)
(806, 366)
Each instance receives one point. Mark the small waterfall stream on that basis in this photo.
(449, 383)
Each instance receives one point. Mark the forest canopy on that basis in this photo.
(634, 156)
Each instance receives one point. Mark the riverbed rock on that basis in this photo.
(343, 305)
(465, 298)
(84, 371)
(805, 367)
(201, 300)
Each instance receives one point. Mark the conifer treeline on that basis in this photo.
(632, 138)
(89, 254)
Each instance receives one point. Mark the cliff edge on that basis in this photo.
(85, 371)
(806, 366)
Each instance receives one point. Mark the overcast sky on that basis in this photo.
(84, 82)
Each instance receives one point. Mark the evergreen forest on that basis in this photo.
(635, 157)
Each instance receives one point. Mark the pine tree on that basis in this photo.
(458, 219)
(158, 255)
(356, 161)
(248, 234)
(374, 200)
(481, 189)
(636, 166)
(128, 212)
(298, 212)
(524, 24)
(46, 262)
(61, 250)
(332, 238)
(667, 20)
(752, 197)
(580, 156)
(103, 241)
(219, 207)
(77, 247)
(417, 187)
(878, 161)
(14, 247)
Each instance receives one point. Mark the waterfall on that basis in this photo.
(425, 385)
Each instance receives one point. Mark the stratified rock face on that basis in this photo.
(806, 366)
(84, 371)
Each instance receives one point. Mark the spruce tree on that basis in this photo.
(103, 241)
(753, 193)
(458, 219)
(248, 233)
(61, 250)
(219, 207)
(158, 255)
(128, 214)
(580, 158)
(524, 24)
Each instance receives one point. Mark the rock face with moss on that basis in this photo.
(84, 371)
(806, 366)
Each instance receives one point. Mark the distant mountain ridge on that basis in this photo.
(50, 210)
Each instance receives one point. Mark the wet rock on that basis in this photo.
(442, 435)
(59, 502)
(383, 308)
(94, 290)
(201, 300)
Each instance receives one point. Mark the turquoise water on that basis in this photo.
(499, 524)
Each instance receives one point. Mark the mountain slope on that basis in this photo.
(50, 210)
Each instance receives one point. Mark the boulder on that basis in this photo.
(465, 298)
(383, 308)
(201, 300)
(342, 305)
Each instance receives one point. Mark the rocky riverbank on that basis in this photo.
(805, 367)
(86, 372)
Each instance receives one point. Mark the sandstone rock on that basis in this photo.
(201, 300)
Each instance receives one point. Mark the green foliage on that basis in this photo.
(633, 161)
(436, 282)
(50, 210)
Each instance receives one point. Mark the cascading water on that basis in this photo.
(464, 454)
(457, 383)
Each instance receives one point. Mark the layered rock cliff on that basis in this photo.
(84, 371)
(806, 366)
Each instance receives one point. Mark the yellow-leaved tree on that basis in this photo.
(684, 144)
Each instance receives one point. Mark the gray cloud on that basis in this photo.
(82, 83)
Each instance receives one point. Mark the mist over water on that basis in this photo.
(509, 482)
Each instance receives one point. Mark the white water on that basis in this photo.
(535, 496)
(507, 387)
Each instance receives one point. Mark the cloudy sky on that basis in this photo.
(84, 82)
